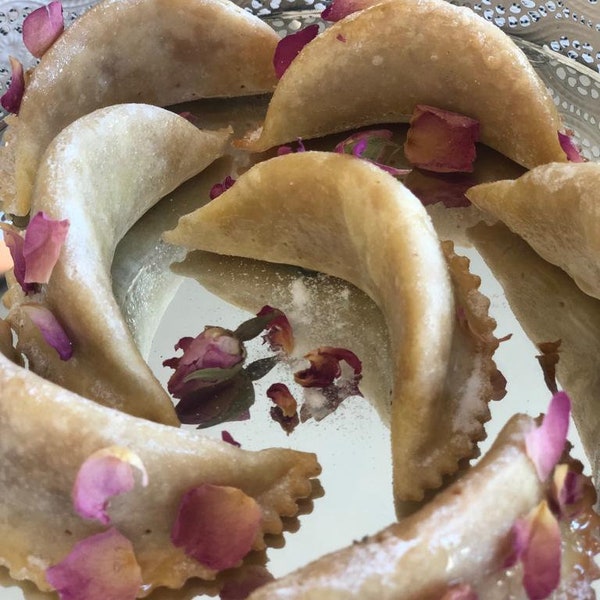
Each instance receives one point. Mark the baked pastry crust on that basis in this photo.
(376, 65)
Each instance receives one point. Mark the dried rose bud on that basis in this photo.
(279, 334)
(212, 357)
(325, 366)
(441, 141)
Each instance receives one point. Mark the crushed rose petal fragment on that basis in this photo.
(282, 150)
(227, 437)
(569, 147)
(290, 46)
(213, 351)
(52, 331)
(279, 335)
(216, 525)
(100, 567)
(106, 473)
(461, 591)
(246, 579)
(545, 444)
(11, 99)
(44, 238)
(325, 366)
(218, 188)
(548, 359)
(537, 544)
(441, 141)
(568, 490)
(42, 27)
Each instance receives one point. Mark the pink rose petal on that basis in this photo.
(339, 9)
(568, 490)
(216, 525)
(14, 243)
(104, 474)
(290, 46)
(537, 544)
(44, 238)
(290, 149)
(546, 443)
(569, 147)
(11, 99)
(42, 28)
(51, 330)
(460, 592)
(101, 567)
(441, 141)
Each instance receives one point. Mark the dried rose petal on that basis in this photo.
(14, 242)
(42, 28)
(325, 366)
(51, 330)
(339, 9)
(279, 334)
(537, 544)
(280, 394)
(213, 356)
(100, 567)
(545, 444)
(376, 146)
(441, 141)
(290, 46)
(217, 189)
(548, 360)
(216, 525)
(227, 437)
(44, 238)
(104, 474)
(569, 147)
(11, 99)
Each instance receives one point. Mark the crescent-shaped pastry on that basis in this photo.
(47, 434)
(374, 66)
(367, 228)
(158, 52)
(462, 537)
(555, 210)
(550, 307)
(102, 173)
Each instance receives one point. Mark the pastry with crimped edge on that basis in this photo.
(368, 229)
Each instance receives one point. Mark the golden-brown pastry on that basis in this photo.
(461, 540)
(555, 210)
(375, 65)
(47, 434)
(102, 173)
(367, 228)
(159, 52)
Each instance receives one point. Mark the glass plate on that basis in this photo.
(352, 443)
